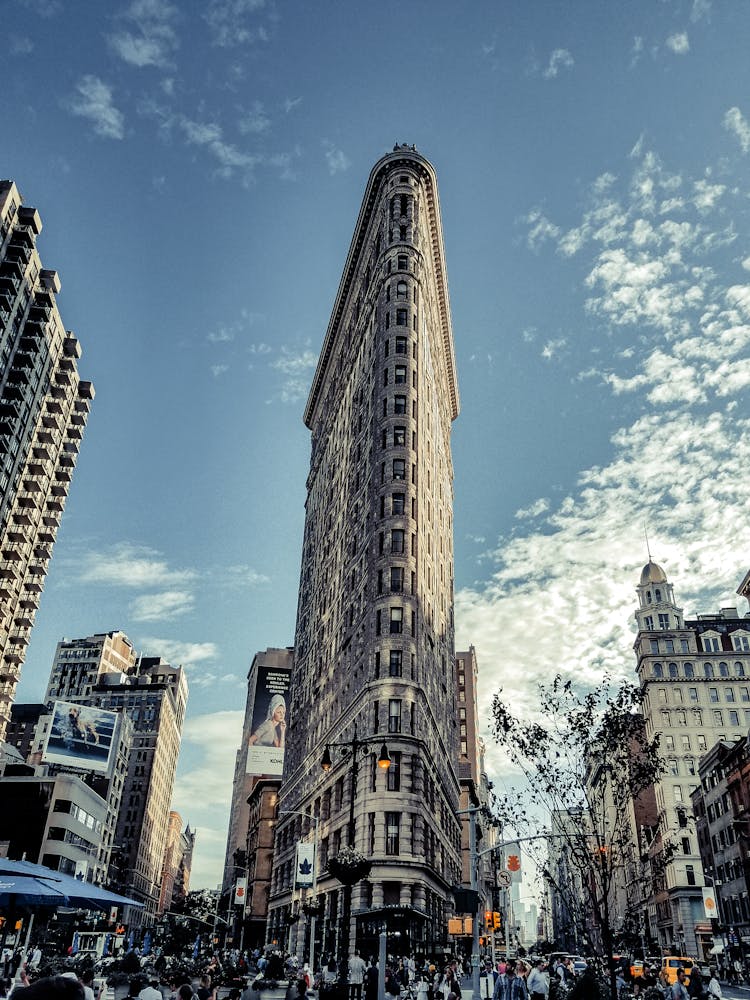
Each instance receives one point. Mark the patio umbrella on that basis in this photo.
(26, 890)
(70, 891)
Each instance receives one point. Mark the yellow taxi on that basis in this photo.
(670, 965)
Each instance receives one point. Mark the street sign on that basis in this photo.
(504, 878)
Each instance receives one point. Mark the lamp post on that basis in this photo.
(314, 887)
(351, 748)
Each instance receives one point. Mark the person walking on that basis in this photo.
(679, 987)
(357, 969)
(537, 981)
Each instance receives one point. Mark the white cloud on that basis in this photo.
(682, 321)
(178, 653)
(292, 363)
(336, 159)
(93, 100)
(290, 103)
(218, 370)
(254, 121)
(245, 576)
(153, 39)
(20, 45)
(163, 607)
(540, 229)
(231, 22)
(679, 43)
(559, 59)
(701, 9)
(735, 122)
(128, 565)
(552, 348)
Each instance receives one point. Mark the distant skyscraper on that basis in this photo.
(268, 675)
(43, 411)
(695, 675)
(374, 647)
(102, 670)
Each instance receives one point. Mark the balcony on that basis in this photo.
(29, 603)
(53, 503)
(71, 349)
(8, 571)
(11, 268)
(86, 390)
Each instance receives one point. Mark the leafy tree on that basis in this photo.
(588, 763)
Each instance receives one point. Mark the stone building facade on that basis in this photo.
(695, 675)
(374, 644)
(44, 407)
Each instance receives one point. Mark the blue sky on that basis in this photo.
(199, 170)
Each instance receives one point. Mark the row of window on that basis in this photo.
(679, 717)
(730, 694)
(395, 626)
(689, 670)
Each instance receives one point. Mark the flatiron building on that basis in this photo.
(374, 644)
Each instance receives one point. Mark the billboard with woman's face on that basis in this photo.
(81, 736)
(265, 751)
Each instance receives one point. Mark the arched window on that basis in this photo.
(658, 671)
(657, 594)
(708, 670)
(401, 290)
(723, 669)
(672, 667)
(648, 596)
(739, 669)
(688, 668)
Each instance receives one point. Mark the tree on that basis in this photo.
(587, 763)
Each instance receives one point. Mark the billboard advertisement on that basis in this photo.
(265, 751)
(81, 736)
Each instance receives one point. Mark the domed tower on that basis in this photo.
(656, 604)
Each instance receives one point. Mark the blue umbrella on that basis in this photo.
(75, 891)
(107, 943)
(146, 947)
(131, 939)
(197, 947)
(26, 890)
(74, 946)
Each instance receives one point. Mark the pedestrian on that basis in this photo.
(714, 986)
(357, 970)
(150, 992)
(679, 989)
(54, 988)
(86, 979)
(537, 981)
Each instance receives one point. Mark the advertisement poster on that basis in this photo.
(81, 736)
(265, 752)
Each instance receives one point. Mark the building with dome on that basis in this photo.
(695, 677)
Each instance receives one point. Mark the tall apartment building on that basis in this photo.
(695, 675)
(175, 874)
(43, 411)
(153, 695)
(374, 646)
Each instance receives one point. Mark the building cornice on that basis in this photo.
(408, 157)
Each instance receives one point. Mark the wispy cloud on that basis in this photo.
(233, 22)
(129, 565)
(679, 43)
(162, 607)
(290, 103)
(737, 124)
(93, 100)
(152, 40)
(43, 8)
(254, 120)
(559, 59)
(336, 159)
(20, 45)
(658, 275)
(178, 653)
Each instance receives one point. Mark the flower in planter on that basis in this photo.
(349, 866)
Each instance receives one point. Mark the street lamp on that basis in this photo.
(314, 887)
(352, 748)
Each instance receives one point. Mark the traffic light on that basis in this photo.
(488, 920)
(495, 921)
